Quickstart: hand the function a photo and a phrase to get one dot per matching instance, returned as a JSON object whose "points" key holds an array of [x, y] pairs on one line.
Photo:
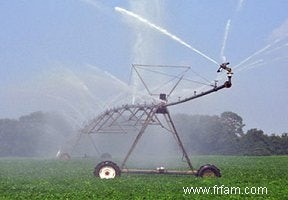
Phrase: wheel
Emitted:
{"points": [[107, 170], [64, 156], [209, 171]]}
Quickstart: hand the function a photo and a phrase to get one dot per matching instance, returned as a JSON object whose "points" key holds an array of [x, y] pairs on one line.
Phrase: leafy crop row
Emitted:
{"points": [[73, 179]]}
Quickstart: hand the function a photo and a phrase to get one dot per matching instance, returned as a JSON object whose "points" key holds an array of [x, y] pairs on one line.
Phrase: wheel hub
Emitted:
{"points": [[107, 173]]}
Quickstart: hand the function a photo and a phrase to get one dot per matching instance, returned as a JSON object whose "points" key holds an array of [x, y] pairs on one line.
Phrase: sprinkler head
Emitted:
{"points": [[224, 66]]}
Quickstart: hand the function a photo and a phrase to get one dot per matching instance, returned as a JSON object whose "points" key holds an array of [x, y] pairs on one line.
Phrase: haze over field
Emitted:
{"points": [[74, 57]]}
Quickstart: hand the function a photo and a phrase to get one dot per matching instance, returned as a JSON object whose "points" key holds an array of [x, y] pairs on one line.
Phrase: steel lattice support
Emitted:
{"points": [[137, 117], [134, 118]]}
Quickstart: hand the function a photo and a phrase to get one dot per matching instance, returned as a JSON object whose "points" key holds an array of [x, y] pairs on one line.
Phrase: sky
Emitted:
{"points": [[75, 56]]}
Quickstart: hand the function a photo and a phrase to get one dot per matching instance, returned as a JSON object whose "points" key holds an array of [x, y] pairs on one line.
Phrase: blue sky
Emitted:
{"points": [[48, 50]]}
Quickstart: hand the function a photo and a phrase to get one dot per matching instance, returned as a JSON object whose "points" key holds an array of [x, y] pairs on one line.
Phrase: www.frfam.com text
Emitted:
{"points": [[225, 190]]}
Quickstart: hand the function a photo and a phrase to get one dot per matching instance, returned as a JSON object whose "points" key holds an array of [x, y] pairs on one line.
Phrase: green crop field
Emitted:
{"points": [[253, 177]]}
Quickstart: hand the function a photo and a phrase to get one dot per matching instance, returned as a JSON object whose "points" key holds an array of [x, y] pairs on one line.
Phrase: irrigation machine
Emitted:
{"points": [[137, 117]]}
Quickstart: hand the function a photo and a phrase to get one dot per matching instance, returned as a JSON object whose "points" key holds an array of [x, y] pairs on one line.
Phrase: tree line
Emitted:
{"points": [[36, 134], [41, 134], [203, 134]]}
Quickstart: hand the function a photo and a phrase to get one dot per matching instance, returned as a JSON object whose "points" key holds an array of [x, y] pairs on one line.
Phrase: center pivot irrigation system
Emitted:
{"points": [[137, 117]]}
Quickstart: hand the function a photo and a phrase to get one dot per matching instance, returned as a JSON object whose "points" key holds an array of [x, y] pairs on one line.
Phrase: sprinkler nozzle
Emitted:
{"points": [[225, 67]]}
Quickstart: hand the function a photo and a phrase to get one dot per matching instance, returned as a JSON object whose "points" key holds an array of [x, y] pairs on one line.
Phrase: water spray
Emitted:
{"points": [[227, 29], [165, 32]]}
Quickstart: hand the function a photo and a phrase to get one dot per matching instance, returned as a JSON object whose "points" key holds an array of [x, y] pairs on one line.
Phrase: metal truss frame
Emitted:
{"points": [[137, 117]]}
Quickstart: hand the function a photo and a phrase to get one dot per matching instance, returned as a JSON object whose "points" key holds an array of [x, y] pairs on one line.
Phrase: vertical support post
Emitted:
{"points": [[179, 141], [142, 130]]}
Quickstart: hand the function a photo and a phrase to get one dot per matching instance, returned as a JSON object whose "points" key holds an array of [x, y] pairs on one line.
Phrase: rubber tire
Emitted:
{"points": [[64, 156], [206, 170], [107, 164]]}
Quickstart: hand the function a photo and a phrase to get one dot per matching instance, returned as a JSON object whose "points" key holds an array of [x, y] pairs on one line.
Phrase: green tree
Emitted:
{"points": [[36, 134], [255, 142], [233, 122]]}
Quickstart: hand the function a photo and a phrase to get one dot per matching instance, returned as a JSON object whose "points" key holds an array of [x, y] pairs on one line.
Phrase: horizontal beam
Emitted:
{"points": [[227, 84], [159, 171]]}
